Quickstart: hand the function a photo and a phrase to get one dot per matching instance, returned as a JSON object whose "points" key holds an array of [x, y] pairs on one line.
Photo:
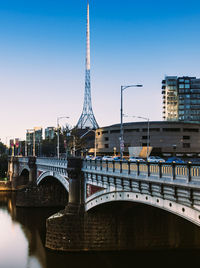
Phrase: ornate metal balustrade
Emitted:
{"points": [[52, 164]]}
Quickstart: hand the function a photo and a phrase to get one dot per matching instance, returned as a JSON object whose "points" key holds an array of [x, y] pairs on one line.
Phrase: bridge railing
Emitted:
{"points": [[52, 162], [23, 160], [172, 171]]}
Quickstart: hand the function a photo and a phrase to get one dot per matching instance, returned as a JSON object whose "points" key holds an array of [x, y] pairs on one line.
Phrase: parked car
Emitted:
{"points": [[118, 158], [88, 157], [97, 158], [107, 157], [135, 159], [175, 160], [155, 159]]}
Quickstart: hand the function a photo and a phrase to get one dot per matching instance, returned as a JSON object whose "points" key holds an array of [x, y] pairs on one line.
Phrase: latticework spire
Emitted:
{"points": [[87, 119]]}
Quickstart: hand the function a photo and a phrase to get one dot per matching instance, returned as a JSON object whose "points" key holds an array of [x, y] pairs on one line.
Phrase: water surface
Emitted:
{"points": [[22, 238]]}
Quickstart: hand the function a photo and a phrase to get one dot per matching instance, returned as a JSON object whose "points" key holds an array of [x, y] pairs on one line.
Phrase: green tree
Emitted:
{"points": [[3, 165]]}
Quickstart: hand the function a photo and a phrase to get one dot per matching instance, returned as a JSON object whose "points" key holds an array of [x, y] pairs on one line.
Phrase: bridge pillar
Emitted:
{"points": [[13, 172], [33, 169], [76, 186], [65, 229]]}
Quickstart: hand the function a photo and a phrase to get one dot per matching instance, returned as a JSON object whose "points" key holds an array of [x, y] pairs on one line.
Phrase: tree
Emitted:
{"points": [[3, 165]]}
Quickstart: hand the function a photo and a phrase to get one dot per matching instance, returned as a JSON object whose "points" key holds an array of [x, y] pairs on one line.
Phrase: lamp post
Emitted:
{"points": [[58, 138], [95, 141], [121, 113]]}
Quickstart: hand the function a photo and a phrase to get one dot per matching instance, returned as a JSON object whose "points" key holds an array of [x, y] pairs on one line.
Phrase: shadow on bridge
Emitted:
{"points": [[49, 193], [139, 226]]}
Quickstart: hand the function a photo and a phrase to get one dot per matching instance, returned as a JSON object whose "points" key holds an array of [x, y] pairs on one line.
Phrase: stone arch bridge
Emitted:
{"points": [[91, 185]]}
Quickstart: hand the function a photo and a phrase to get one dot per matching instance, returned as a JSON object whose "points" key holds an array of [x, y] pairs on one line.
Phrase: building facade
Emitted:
{"points": [[50, 133], [33, 141], [181, 99], [165, 138]]}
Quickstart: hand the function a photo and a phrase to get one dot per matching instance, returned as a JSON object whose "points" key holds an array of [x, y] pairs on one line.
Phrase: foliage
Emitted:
{"points": [[3, 165]]}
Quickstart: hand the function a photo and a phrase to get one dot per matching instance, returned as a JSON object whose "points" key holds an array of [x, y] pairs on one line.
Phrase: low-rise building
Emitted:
{"points": [[165, 138]]}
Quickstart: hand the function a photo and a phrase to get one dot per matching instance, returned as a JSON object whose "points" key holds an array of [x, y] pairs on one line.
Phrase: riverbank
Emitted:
{"points": [[6, 186]]}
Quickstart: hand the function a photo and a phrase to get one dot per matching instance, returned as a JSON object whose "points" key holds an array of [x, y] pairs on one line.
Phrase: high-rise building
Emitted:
{"points": [[170, 98], [87, 119], [33, 141], [50, 133], [34, 135], [181, 99]]}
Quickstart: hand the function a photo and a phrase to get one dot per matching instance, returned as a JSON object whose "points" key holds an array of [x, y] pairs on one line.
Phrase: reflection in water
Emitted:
{"points": [[22, 236]]}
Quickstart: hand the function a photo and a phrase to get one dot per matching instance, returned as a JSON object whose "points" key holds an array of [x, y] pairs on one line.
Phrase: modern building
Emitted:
{"points": [[50, 133], [181, 99], [165, 137], [33, 141]]}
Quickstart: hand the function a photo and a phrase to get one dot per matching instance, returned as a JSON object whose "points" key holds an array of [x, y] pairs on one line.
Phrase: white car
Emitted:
{"points": [[135, 159], [155, 159], [107, 157]]}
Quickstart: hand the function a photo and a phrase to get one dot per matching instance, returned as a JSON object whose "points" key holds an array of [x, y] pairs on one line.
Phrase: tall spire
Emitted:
{"points": [[87, 118]]}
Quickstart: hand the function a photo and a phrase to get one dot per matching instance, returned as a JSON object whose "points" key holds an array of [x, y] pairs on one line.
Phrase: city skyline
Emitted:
{"points": [[43, 57]]}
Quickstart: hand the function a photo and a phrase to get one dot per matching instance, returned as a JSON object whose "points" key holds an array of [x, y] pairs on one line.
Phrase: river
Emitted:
{"points": [[22, 237]]}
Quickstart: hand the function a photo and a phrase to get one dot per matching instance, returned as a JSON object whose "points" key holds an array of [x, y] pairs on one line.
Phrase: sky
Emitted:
{"points": [[42, 58]]}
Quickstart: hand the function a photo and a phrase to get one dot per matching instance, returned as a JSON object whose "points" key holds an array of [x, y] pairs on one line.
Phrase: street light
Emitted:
{"points": [[58, 147], [95, 141], [121, 126]]}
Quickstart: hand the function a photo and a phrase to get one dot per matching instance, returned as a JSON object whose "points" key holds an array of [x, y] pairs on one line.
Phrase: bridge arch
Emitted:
{"points": [[102, 197], [57, 176], [24, 170]]}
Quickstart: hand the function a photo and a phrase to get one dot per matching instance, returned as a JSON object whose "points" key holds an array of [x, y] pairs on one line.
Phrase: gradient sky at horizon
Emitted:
{"points": [[42, 53]]}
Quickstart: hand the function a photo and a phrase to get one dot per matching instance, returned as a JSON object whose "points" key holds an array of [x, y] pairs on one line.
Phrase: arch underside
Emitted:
{"points": [[57, 176], [189, 213], [24, 168]]}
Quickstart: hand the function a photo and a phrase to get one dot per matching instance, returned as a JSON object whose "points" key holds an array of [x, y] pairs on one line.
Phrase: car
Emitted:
{"points": [[175, 160], [88, 157], [107, 157], [155, 159], [97, 158], [118, 158], [135, 159]]}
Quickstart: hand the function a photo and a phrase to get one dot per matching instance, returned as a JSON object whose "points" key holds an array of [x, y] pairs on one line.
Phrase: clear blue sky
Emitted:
{"points": [[42, 58]]}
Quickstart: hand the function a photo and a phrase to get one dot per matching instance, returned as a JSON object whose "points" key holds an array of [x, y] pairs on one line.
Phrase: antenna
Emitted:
{"points": [[87, 119]]}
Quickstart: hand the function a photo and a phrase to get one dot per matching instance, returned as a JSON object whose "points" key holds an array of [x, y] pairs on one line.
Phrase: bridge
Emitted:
{"points": [[91, 184]]}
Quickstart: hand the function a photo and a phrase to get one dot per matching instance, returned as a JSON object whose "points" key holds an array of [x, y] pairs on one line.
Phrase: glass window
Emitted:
{"points": [[187, 81], [181, 86], [187, 86]]}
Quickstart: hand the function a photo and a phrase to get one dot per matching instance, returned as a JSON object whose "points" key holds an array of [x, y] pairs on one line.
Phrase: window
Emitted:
{"points": [[191, 130], [104, 132], [181, 86], [106, 138], [186, 145], [132, 130], [106, 146], [186, 137], [187, 86], [171, 129], [144, 144], [115, 131], [144, 137]]}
